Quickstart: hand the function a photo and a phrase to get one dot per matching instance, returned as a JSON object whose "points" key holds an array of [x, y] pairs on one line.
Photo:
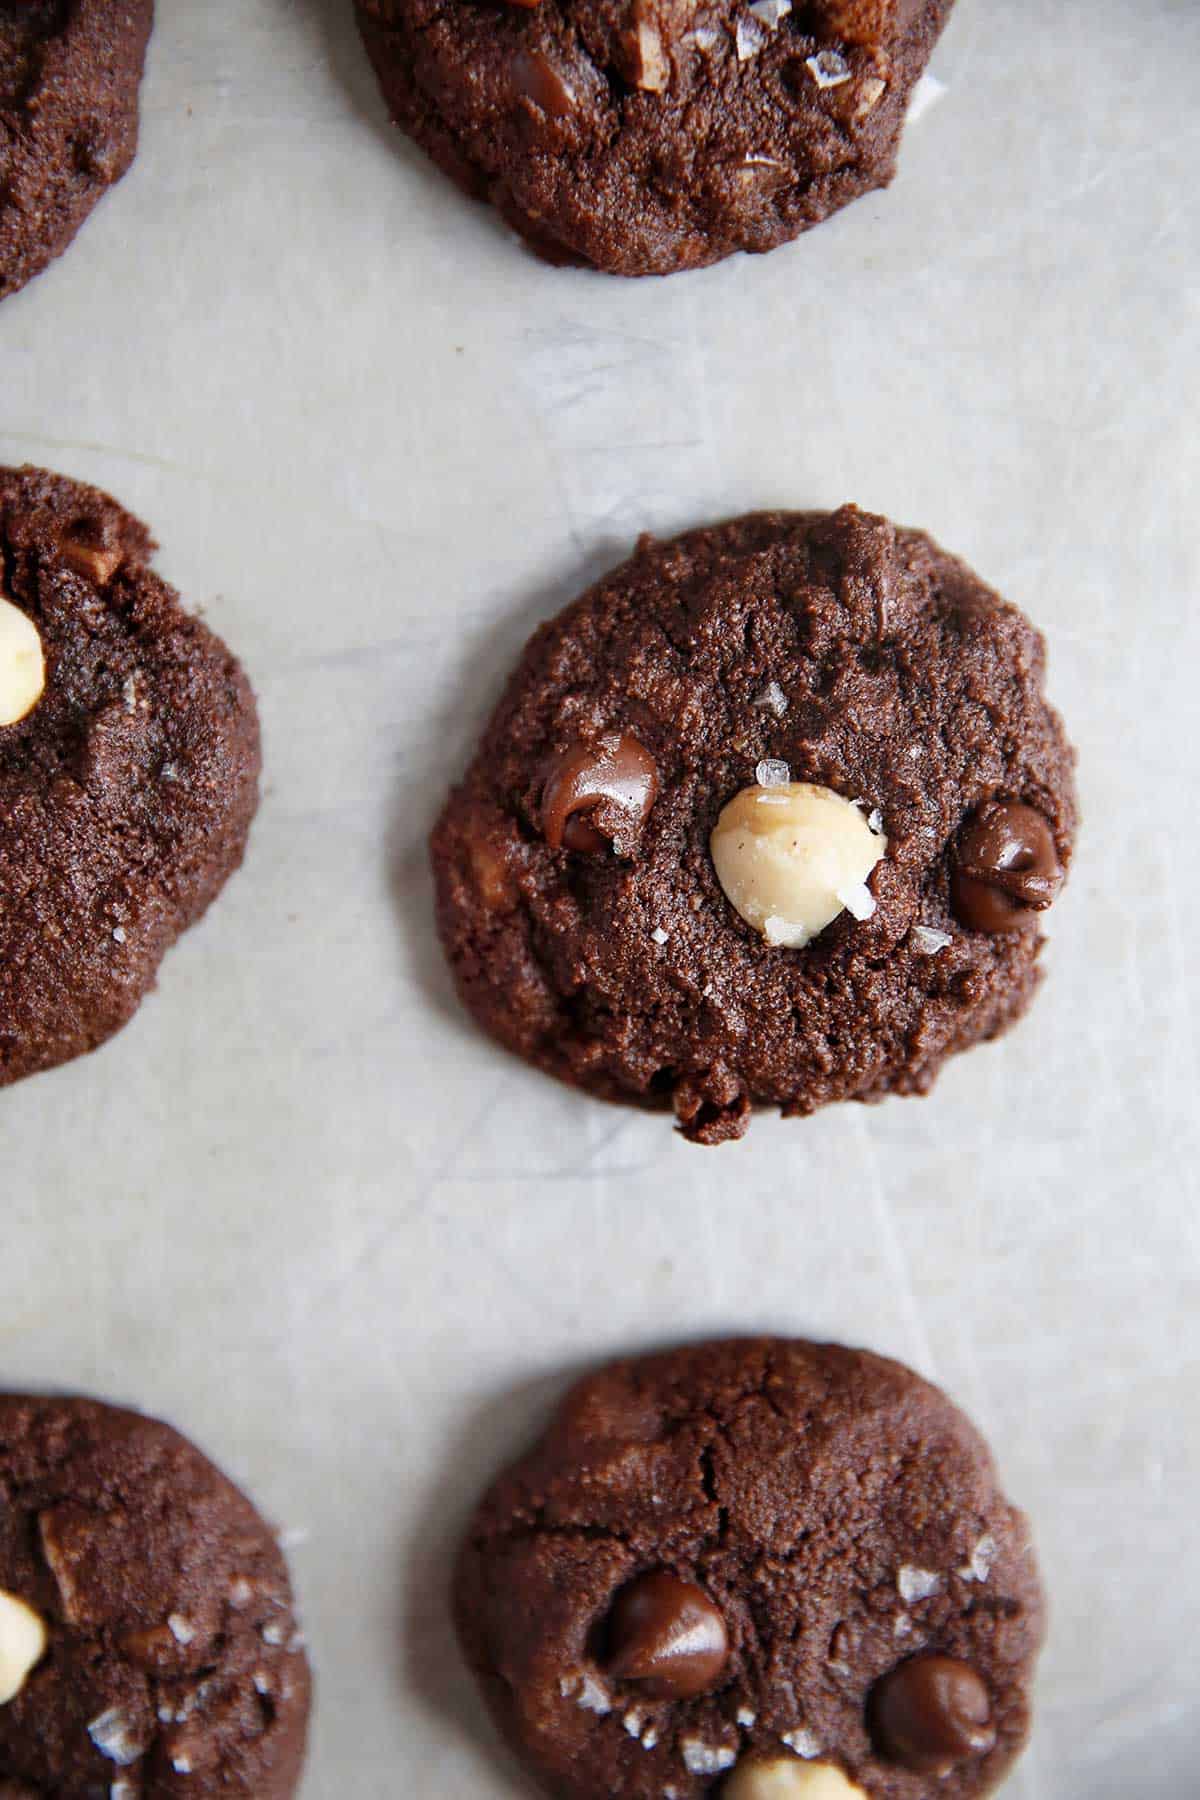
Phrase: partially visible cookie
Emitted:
{"points": [[129, 762], [770, 816], [69, 76], [763, 1568], [644, 136], [148, 1644]]}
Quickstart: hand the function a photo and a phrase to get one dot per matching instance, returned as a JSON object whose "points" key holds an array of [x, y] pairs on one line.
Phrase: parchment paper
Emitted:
{"points": [[299, 1207]]}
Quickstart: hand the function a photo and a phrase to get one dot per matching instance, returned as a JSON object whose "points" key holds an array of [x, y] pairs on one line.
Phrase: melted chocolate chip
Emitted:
{"points": [[596, 791], [667, 1636], [931, 1714], [1008, 867]]}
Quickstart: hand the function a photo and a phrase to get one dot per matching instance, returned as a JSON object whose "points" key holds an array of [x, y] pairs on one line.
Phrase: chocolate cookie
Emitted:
{"points": [[644, 136], [768, 816], [148, 1647], [129, 764], [777, 1570], [69, 75]]}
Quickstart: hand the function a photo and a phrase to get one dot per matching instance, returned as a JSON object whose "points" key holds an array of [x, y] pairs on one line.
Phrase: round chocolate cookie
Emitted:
{"points": [[769, 1569], [643, 136], [768, 816], [129, 762], [69, 75], [148, 1646]]}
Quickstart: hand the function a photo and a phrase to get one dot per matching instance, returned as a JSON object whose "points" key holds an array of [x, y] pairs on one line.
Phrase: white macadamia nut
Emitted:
{"points": [[23, 1643], [786, 1778], [22, 664], [792, 856]]}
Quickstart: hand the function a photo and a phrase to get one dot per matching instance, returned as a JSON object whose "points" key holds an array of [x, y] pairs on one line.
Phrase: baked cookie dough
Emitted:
{"points": [[148, 1644], [768, 817], [767, 1569], [129, 761], [69, 75], [644, 136]]}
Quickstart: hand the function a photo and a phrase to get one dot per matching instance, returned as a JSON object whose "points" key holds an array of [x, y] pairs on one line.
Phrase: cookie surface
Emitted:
{"points": [[833, 1518], [851, 655], [127, 789], [69, 75], [172, 1664], [644, 136]]}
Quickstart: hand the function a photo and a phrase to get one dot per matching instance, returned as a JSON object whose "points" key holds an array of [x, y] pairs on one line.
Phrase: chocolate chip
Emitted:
{"points": [[930, 1714], [667, 1636], [1008, 867], [535, 78], [595, 792]]}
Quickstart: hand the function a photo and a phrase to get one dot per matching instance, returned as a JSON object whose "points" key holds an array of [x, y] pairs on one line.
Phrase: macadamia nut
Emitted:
{"points": [[791, 857], [22, 1644], [786, 1778], [22, 664]]}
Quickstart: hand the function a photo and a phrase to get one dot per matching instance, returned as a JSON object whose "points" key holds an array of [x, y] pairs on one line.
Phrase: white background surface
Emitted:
{"points": [[305, 1212]]}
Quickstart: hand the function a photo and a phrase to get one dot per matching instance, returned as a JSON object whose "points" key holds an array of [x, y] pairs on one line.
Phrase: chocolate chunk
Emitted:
{"points": [[535, 78], [931, 1714], [1008, 867], [595, 792], [667, 1636]]}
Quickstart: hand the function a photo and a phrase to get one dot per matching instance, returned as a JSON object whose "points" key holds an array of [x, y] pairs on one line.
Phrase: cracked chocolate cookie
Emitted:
{"points": [[129, 761], [148, 1644], [767, 1569], [69, 77], [768, 817], [643, 136]]}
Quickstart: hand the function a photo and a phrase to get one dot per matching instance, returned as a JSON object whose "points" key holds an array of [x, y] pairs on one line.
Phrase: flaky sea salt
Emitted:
{"points": [[746, 1716], [706, 1759], [917, 1584], [750, 38], [660, 936], [982, 1557], [118, 934], [772, 699], [116, 1736], [771, 12], [771, 773], [927, 941], [804, 1742], [586, 1691], [828, 68], [181, 1629], [875, 821], [858, 900]]}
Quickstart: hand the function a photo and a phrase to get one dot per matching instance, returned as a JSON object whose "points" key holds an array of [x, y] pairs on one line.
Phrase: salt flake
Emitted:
{"points": [[771, 773], [115, 1735], [750, 37], [828, 68], [772, 699], [771, 12], [982, 1557], [928, 941], [804, 1742], [706, 1759], [857, 900], [917, 1584]]}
